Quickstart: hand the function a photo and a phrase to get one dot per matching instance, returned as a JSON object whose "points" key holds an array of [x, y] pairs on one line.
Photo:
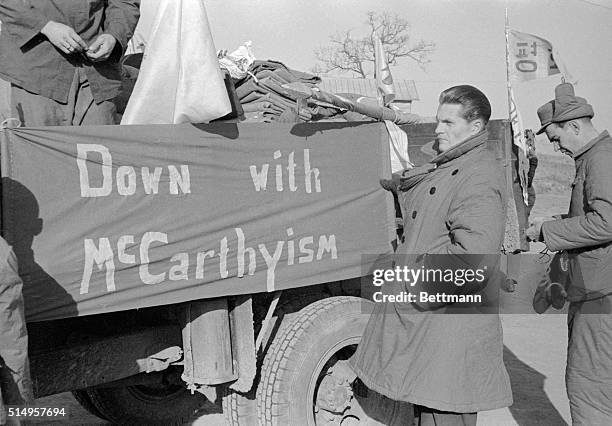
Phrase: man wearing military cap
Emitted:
{"points": [[586, 233]]}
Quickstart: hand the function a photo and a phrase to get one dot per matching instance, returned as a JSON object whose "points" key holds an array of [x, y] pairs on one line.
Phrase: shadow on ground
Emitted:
{"points": [[531, 404]]}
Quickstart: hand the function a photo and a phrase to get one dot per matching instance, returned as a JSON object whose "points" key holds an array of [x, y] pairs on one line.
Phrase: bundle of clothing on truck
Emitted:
{"points": [[263, 98], [270, 91]]}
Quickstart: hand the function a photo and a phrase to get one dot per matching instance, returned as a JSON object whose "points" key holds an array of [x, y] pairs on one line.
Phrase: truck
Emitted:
{"points": [[168, 268]]}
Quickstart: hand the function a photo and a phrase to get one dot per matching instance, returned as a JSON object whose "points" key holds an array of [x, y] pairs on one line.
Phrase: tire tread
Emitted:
{"points": [[276, 366]]}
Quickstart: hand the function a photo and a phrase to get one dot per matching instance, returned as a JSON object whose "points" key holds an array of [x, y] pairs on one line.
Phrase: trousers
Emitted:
{"points": [[588, 375], [81, 109]]}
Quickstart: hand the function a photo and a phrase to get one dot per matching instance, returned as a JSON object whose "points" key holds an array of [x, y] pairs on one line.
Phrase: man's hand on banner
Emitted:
{"points": [[63, 37], [101, 48]]}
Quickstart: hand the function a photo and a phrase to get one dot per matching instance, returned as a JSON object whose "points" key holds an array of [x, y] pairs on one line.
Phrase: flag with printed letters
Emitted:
{"points": [[532, 58]]}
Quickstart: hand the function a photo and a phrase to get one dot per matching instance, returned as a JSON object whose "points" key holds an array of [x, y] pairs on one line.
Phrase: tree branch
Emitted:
{"points": [[356, 55]]}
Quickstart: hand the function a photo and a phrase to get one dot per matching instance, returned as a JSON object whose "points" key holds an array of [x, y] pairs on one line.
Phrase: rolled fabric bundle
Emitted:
{"points": [[371, 110], [259, 65], [261, 106], [247, 87], [253, 97]]}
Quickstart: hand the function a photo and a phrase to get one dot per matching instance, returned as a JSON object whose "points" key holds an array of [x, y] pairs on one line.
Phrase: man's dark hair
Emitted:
{"points": [[475, 103]]}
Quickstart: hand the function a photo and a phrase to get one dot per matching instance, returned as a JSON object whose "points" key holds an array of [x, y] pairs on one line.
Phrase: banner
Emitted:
{"points": [[109, 218], [532, 57], [180, 80], [382, 73]]}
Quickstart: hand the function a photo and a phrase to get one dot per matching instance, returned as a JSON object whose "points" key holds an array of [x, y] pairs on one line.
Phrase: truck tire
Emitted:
{"points": [[241, 409], [307, 363], [84, 401], [139, 404]]}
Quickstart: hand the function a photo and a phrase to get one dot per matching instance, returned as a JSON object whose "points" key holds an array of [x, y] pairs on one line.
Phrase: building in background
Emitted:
{"points": [[405, 90]]}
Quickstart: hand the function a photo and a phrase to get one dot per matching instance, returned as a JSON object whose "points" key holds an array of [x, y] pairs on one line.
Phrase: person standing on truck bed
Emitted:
{"points": [[62, 58], [586, 233], [449, 366]]}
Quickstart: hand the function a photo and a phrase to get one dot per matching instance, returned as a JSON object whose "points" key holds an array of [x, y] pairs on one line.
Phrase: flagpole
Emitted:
{"points": [[377, 66], [508, 85], [515, 120]]}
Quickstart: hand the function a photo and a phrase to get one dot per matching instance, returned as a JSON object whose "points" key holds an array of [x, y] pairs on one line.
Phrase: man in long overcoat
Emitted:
{"points": [[586, 233], [449, 366]]}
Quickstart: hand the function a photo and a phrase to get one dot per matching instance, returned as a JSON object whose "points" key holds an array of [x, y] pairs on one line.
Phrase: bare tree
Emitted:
{"points": [[347, 53]]}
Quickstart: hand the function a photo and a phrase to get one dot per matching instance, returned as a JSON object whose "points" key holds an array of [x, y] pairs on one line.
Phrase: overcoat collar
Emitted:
{"points": [[413, 176], [461, 148], [603, 135]]}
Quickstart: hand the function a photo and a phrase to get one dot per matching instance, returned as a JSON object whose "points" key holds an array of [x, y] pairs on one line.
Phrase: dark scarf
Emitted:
{"points": [[412, 177]]}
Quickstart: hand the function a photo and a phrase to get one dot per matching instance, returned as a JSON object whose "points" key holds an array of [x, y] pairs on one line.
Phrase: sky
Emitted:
{"points": [[469, 37]]}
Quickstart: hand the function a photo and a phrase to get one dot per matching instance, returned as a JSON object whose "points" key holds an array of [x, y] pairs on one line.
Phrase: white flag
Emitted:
{"points": [[180, 79], [382, 73], [532, 57]]}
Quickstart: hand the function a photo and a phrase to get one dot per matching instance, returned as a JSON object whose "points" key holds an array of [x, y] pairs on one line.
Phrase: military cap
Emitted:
{"points": [[569, 106], [545, 114]]}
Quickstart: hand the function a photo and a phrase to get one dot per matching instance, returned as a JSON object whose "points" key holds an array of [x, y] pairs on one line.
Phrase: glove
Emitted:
{"points": [[534, 232], [391, 184]]}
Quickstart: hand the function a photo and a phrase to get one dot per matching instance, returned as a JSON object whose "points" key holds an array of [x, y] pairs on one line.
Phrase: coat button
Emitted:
{"points": [[414, 214], [432, 191], [455, 172]]}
